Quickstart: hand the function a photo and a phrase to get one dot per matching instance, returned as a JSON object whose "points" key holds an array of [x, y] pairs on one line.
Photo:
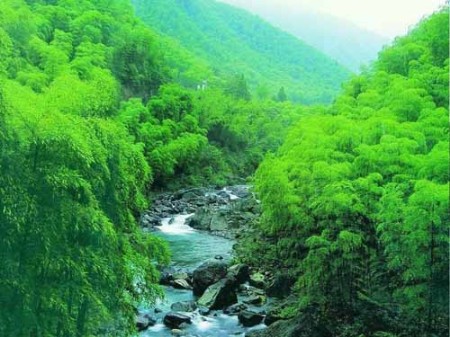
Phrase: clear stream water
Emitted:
{"points": [[190, 248]]}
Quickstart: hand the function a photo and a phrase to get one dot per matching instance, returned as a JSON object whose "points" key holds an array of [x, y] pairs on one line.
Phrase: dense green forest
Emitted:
{"points": [[72, 179], [234, 42], [355, 202], [91, 120], [99, 110]]}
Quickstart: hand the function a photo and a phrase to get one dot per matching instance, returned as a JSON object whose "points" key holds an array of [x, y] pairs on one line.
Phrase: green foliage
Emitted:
{"points": [[231, 41], [88, 125], [73, 260], [281, 96], [137, 62], [237, 88], [205, 137], [355, 202]]}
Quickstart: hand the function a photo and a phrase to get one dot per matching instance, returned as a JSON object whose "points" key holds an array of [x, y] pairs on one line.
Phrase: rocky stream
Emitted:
{"points": [[206, 294]]}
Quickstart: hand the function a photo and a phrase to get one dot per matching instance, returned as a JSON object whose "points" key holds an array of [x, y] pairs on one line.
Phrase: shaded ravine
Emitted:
{"points": [[190, 248]]}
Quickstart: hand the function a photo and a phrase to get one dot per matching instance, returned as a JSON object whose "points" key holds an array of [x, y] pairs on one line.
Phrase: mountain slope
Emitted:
{"points": [[233, 41], [355, 202], [343, 41]]}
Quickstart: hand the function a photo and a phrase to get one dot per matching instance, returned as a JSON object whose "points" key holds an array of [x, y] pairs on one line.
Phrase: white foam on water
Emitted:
{"points": [[230, 194], [176, 225], [157, 328], [204, 324]]}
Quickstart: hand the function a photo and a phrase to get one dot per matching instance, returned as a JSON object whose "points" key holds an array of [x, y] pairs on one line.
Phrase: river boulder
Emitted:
{"points": [[250, 318], [185, 306], [235, 309], [181, 284], [210, 218], [144, 321], [167, 276], [256, 300], [149, 221], [239, 273], [174, 320], [207, 274], [219, 295]]}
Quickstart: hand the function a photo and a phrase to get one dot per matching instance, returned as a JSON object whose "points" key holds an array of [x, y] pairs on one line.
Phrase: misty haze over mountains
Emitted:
{"points": [[342, 40]]}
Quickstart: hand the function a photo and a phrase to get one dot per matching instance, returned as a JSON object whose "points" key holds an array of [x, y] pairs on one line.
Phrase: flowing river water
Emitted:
{"points": [[190, 248]]}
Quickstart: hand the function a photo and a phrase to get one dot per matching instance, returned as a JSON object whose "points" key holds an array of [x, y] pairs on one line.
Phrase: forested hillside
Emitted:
{"points": [[234, 42], [99, 112], [355, 203], [72, 180], [91, 120]]}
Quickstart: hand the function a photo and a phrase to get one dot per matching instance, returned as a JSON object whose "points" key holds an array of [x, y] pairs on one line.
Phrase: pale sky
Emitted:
{"points": [[389, 18]]}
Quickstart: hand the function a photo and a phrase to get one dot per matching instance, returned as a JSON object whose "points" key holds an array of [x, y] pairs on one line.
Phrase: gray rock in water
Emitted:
{"points": [[201, 220], [181, 284], [219, 295], [167, 276], [223, 194], [218, 222], [239, 273], [235, 309], [207, 274], [256, 300], [144, 321], [210, 218], [149, 221], [189, 196], [204, 311], [185, 306], [174, 320], [180, 275], [177, 332], [250, 318]]}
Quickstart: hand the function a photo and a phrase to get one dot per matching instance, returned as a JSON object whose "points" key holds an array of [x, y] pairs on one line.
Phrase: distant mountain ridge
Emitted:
{"points": [[342, 40], [233, 41]]}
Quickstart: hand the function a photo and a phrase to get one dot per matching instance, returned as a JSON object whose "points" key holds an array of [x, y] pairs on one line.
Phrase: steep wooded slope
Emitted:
{"points": [[233, 41]]}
